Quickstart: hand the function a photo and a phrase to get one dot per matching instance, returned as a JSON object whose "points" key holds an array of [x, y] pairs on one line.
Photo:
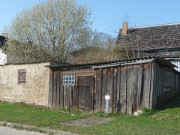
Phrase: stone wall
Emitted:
{"points": [[34, 91]]}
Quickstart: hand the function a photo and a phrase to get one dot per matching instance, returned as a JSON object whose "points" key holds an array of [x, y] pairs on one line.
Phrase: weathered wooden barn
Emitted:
{"points": [[131, 84]]}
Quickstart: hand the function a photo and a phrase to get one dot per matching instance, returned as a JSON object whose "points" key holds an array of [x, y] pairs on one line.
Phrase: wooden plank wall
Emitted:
{"points": [[131, 85], [61, 96], [163, 78]]}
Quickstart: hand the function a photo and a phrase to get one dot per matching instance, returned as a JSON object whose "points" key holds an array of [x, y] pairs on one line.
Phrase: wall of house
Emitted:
{"points": [[166, 85], [78, 60], [36, 88]]}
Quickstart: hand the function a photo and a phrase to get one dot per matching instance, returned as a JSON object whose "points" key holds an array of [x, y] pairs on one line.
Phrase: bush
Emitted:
{"points": [[147, 111]]}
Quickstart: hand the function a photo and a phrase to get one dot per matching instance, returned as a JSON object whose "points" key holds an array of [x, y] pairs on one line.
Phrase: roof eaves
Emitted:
{"points": [[126, 63], [105, 64], [150, 26], [165, 63]]}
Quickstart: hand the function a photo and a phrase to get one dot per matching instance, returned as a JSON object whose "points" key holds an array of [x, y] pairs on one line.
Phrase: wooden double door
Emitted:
{"points": [[86, 93]]}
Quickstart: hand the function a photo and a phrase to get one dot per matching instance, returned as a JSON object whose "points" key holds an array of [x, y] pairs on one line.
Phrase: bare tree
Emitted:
{"points": [[47, 31], [126, 48]]}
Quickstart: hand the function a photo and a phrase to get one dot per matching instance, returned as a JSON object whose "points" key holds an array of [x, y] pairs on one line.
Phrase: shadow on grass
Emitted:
{"points": [[174, 102]]}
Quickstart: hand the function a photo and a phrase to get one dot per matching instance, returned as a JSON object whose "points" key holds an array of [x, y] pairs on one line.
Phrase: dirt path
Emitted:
{"points": [[88, 121]]}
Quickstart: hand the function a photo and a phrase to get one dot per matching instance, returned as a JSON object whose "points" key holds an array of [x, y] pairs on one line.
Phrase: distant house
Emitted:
{"points": [[80, 56], [3, 56], [157, 40]]}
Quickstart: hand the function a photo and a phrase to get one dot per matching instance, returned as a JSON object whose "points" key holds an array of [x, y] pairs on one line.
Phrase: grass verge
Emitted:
{"points": [[166, 120]]}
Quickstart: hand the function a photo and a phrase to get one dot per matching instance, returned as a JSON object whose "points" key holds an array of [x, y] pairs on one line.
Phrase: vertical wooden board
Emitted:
{"points": [[118, 82], [80, 97], [115, 89], [158, 81], [84, 92], [152, 85], [66, 97], [98, 90], [104, 87], [95, 92], [70, 97], [129, 89], [178, 82], [91, 93], [138, 91], [55, 90], [118, 107], [135, 88], [158, 86], [75, 97], [81, 82], [51, 84], [175, 74], [58, 89], [161, 82], [110, 87], [123, 86], [147, 85], [61, 96]]}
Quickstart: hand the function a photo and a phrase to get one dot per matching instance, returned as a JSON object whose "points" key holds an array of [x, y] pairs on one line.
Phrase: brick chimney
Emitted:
{"points": [[124, 28], [4, 35]]}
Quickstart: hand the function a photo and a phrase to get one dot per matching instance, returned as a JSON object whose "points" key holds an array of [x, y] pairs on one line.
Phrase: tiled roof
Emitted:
{"points": [[152, 37]]}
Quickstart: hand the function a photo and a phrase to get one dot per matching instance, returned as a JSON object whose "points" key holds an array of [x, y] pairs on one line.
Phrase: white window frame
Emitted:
{"points": [[68, 79]]}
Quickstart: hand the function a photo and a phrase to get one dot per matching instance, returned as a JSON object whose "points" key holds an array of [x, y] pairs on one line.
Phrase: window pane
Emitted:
{"points": [[69, 79]]}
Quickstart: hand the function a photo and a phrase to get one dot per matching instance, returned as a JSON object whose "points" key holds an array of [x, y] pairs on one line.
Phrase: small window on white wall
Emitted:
{"points": [[68, 79], [21, 76]]}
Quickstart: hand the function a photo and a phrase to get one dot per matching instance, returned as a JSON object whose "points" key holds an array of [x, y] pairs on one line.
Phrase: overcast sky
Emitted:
{"points": [[107, 15]]}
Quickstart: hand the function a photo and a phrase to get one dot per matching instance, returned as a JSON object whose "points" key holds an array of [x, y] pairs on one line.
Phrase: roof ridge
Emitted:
{"points": [[158, 25]]}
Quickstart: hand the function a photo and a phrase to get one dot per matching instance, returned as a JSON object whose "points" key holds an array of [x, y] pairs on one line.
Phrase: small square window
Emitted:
{"points": [[21, 76], [69, 79]]}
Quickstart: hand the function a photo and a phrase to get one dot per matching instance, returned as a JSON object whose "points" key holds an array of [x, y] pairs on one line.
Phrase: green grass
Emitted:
{"points": [[165, 121]]}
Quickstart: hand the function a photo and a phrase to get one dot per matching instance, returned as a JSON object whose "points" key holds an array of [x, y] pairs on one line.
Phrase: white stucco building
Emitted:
{"points": [[3, 58]]}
